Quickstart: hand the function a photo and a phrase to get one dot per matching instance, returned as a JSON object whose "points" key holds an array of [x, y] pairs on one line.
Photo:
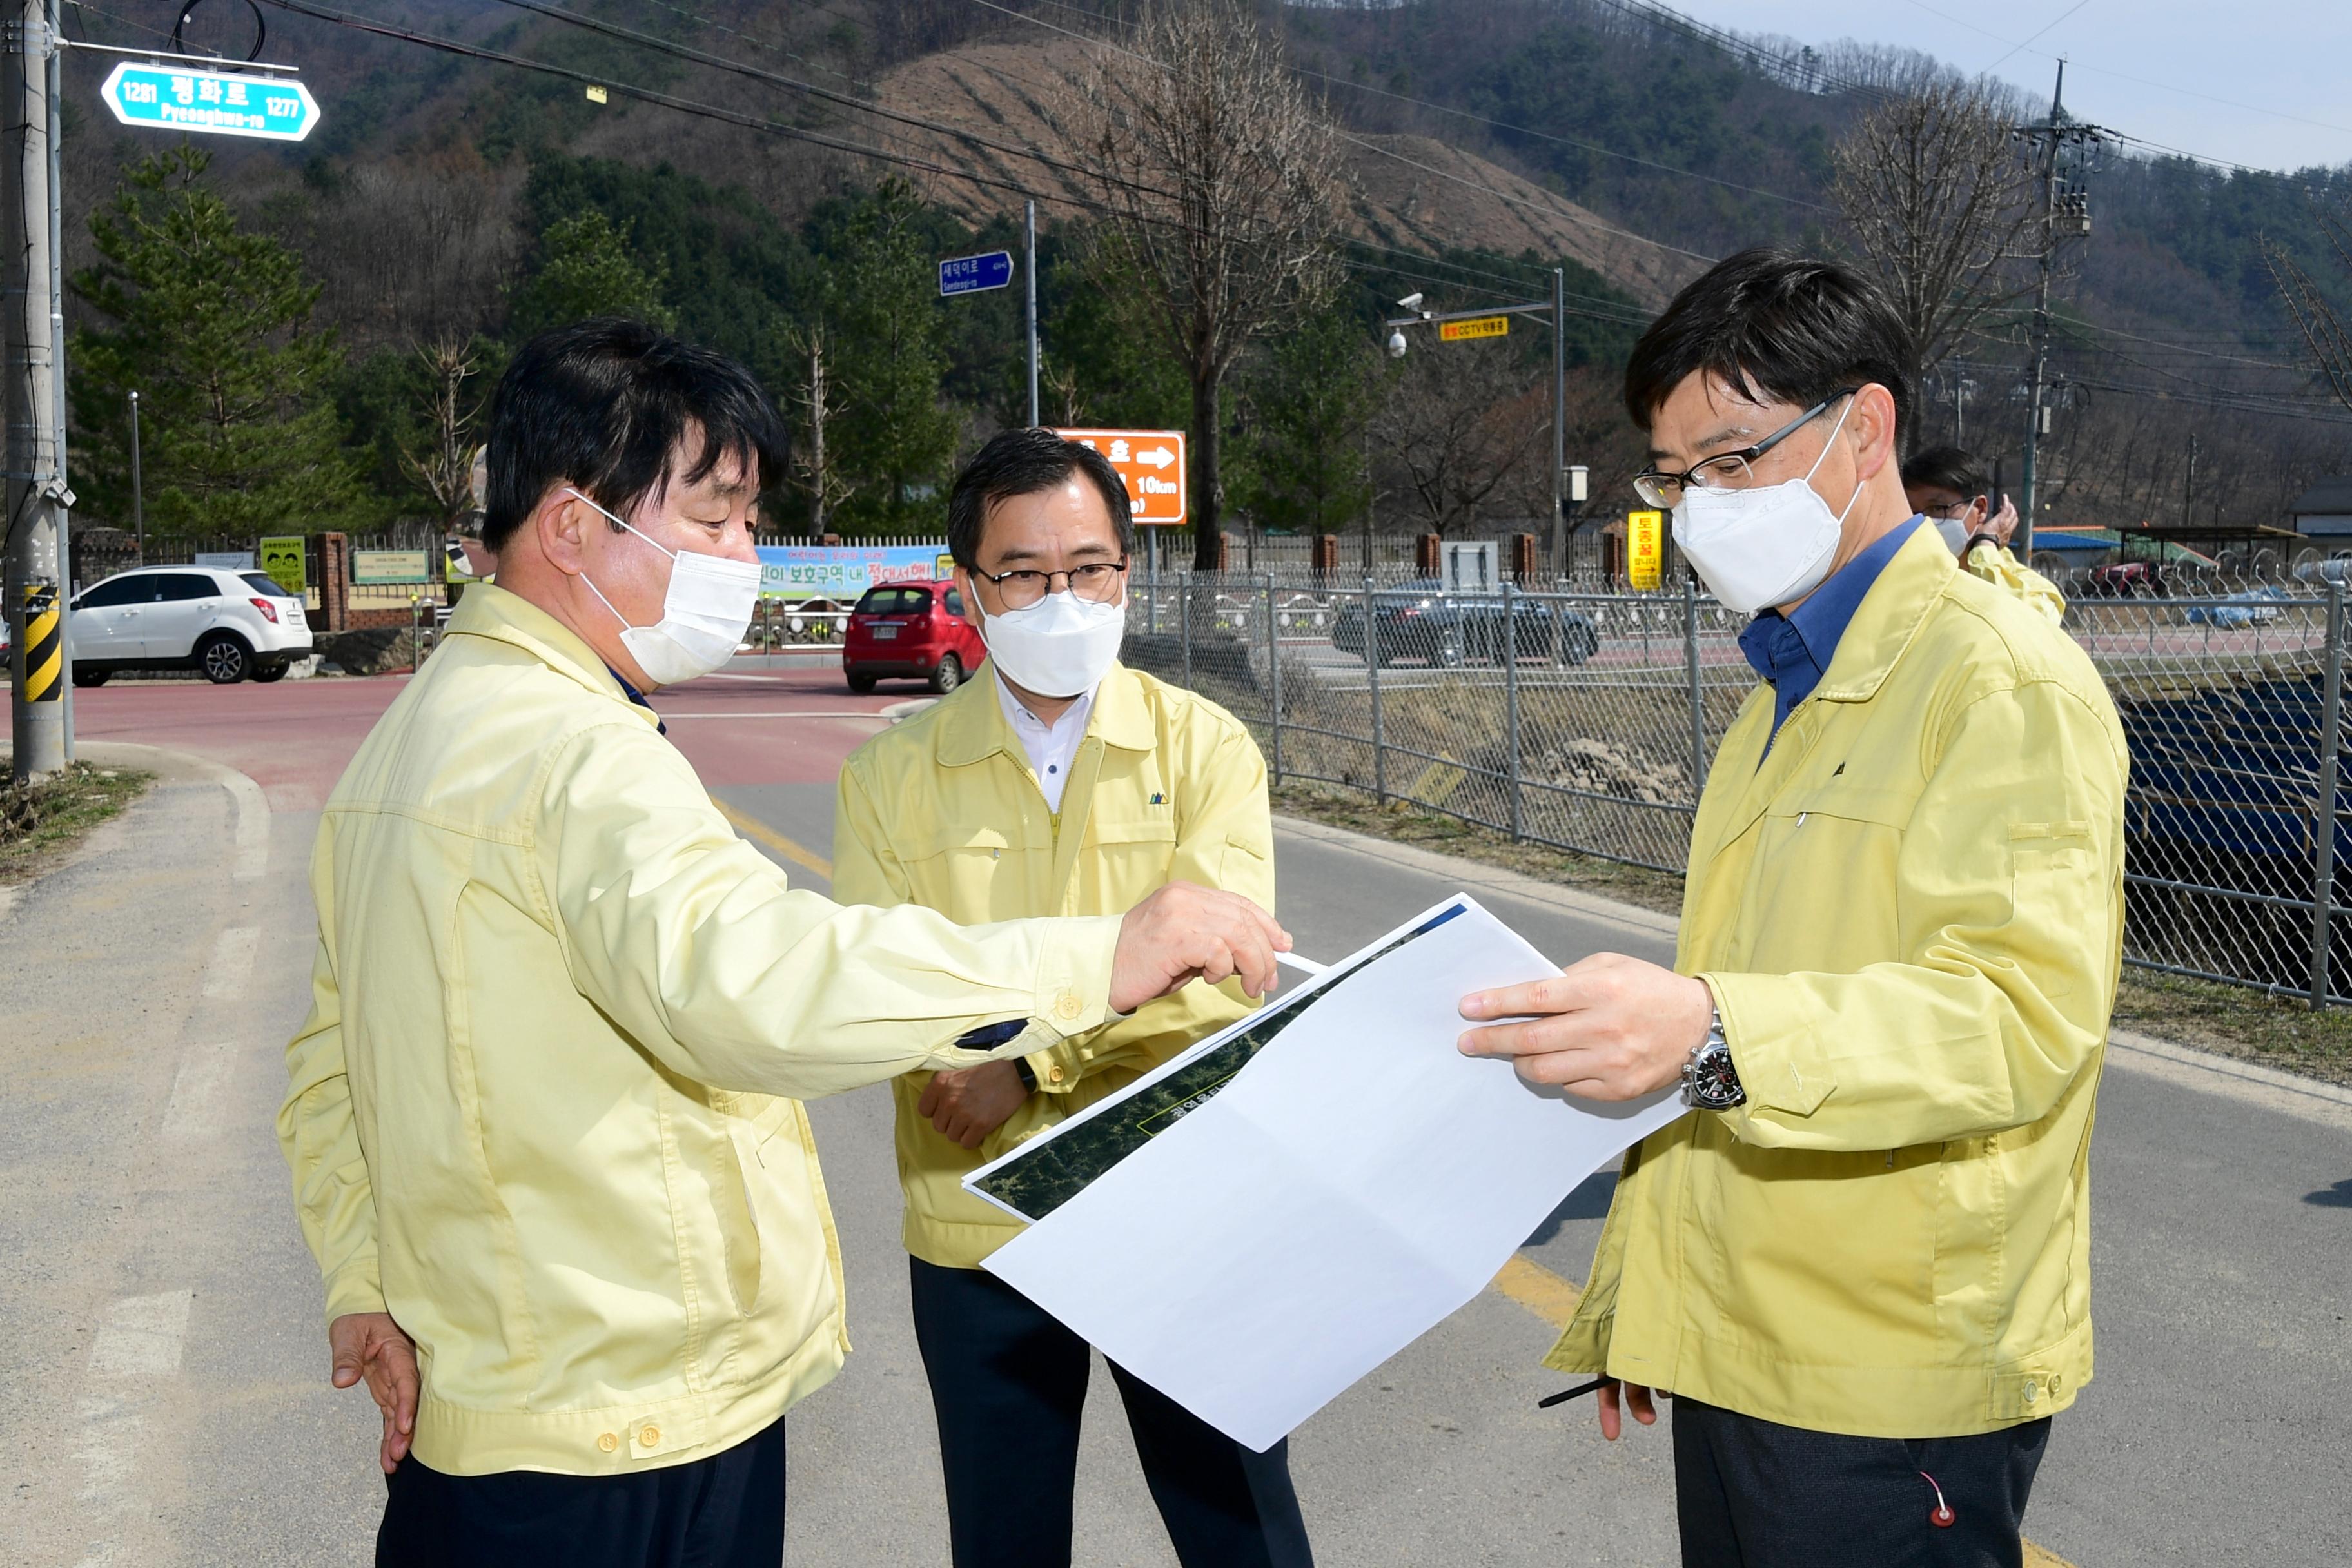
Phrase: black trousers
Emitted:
{"points": [[1754, 1494], [1009, 1383], [725, 1511]]}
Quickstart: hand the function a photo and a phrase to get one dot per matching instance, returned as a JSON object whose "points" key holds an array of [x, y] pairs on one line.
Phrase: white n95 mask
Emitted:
{"points": [[1955, 530], [1766, 545], [1062, 646], [705, 612]]}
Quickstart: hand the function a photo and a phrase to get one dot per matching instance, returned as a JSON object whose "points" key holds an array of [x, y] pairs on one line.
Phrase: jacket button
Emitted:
{"points": [[1068, 1007], [649, 1436], [1054, 1074], [2032, 1392], [608, 1442]]}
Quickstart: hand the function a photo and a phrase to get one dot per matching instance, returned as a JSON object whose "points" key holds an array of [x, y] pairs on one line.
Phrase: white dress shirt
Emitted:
{"points": [[1051, 748]]}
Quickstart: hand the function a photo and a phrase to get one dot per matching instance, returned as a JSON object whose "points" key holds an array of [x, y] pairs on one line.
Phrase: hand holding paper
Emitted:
{"points": [[1606, 1028]]}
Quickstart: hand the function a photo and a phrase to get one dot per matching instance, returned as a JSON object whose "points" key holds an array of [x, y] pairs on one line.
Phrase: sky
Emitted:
{"points": [[2261, 82]]}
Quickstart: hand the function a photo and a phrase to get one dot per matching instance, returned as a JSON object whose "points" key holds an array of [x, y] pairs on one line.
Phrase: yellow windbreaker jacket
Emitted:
{"points": [[944, 812], [544, 1109], [1911, 914]]}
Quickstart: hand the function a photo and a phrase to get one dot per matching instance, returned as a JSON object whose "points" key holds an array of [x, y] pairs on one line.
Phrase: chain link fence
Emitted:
{"points": [[1585, 719]]}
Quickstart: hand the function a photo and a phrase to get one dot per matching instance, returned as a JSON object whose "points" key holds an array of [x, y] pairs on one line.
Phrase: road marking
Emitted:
{"points": [[1553, 1299], [142, 1336], [232, 963], [758, 832], [195, 1089], [252, 824], [112, 1425]]}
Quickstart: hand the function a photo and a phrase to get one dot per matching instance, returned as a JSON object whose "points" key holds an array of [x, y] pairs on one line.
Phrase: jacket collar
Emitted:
{"points": [[1888, 618], [503, 615], [972, 726]]}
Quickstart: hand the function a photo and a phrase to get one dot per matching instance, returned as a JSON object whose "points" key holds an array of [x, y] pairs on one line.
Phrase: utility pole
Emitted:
{"points": [[818, 478], [2188, 486], [1559, 422], [57, 360], [36, 493], [1029, 252], [2050, 142], [138, 489]]}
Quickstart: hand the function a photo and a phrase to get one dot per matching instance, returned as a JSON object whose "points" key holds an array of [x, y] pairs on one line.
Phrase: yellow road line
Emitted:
{"points": [[758, 832], [1553, 1299]]}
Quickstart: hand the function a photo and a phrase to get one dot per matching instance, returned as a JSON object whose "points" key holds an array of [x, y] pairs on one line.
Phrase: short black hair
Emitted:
{"points": [[1947, 469], [1023, 463], [1776, 323], [608, 405]]}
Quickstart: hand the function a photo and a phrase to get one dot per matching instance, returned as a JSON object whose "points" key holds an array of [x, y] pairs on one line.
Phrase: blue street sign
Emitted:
{"points": [[970, 274], [223, 103]]}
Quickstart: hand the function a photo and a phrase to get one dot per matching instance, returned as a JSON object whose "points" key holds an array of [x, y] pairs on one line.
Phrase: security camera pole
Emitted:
{"points": [[1493, 323]]}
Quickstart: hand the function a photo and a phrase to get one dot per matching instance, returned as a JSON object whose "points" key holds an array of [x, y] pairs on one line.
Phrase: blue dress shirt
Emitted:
{"points": [[1794, 651]]}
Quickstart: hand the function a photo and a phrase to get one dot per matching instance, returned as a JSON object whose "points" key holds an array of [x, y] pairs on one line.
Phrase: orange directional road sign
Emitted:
{"points": [[1152, 464]]}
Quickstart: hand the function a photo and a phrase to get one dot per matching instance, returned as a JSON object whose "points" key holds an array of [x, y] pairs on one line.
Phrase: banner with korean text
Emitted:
{"points": [[843, 572]]}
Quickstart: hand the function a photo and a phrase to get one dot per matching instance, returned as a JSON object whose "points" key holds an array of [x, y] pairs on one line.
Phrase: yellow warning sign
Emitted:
{"points": [[1477, 327], [1645, 548]]}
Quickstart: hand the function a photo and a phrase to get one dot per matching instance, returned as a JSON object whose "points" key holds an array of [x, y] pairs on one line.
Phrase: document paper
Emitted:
{"points": [[1296, 1223]]}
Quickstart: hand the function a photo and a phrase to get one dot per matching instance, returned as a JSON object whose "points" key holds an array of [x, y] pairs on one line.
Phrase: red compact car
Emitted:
{"points": [[910, 631]]}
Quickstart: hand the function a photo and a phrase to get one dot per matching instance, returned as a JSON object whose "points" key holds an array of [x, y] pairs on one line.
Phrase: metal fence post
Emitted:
{"points": [[2323, 822], [1511, 698], [1185, 624], [1274, 674], [1697, 702], [1372, 680]]}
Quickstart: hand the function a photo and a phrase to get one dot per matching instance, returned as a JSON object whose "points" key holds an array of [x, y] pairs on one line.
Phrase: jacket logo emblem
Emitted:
{"points": [[1159, 797]]}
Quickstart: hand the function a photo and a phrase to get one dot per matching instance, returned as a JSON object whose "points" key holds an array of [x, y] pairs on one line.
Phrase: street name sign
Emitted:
{"points": [[222, 103], [1152, 464], [1646, 549], [1477, 327], [974, 274]]}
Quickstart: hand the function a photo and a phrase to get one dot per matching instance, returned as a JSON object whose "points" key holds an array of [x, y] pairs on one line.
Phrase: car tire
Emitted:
{"points": [[265, 673], [225, 659], [949, 674], [861, 684], [89, 676]]}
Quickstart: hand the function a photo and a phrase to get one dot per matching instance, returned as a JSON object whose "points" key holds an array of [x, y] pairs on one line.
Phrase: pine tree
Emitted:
{"points": [[588, 266], [212, 326], [893, 437]]}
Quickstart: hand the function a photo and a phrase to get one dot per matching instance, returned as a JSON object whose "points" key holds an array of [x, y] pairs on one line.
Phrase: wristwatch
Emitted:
{"points": [[1709, 1080], [1028, 1074]]}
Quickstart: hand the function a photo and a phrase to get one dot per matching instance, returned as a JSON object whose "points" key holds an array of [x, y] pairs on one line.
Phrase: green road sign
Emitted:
{"points": [[223, 103]]}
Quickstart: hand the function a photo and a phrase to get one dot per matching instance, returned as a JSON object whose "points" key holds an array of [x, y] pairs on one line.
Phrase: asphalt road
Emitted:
{"points": [[162, 1357]]}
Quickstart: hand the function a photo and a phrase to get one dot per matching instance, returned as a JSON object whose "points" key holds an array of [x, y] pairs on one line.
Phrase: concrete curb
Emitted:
{"points": [[1475, 877], [252, 829]]}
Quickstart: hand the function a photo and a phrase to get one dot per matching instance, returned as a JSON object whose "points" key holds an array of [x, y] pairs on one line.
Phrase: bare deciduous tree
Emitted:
{"points": [[1222, 186], [1452, 445], [819, 398], [1942, 206], [442, 462]]}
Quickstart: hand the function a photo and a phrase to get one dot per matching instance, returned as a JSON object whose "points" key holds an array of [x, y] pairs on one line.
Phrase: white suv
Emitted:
{"points": [[229, 624]]}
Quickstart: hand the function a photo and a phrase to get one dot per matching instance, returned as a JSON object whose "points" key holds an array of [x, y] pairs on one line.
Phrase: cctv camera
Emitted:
{"points": [[1396, 345], [1410, 302]]}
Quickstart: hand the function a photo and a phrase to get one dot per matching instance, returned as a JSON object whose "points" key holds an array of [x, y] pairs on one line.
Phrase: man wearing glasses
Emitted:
{"points": [[1862, 1266], [1061, 781], [1949, 488]]}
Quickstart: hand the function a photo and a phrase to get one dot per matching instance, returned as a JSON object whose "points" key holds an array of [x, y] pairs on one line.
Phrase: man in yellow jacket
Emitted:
{"points": [[542, 1118], [1059, 783], [1861, 1264], [1949, 488]]}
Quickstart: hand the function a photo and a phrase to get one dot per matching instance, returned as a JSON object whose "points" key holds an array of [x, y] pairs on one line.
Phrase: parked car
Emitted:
{"points": [[910, 631], [231, 625], [2255, 606], [1420, 620]]}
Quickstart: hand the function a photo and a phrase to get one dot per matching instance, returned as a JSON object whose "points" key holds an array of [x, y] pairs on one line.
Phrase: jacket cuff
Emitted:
{"points": [[1775, 1048], [1073, 983], [354, 1288], [1056, 1067]]}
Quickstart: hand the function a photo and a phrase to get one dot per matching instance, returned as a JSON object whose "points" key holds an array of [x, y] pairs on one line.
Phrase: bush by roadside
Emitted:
{"points": [[2229, 1020], [40, 822]]}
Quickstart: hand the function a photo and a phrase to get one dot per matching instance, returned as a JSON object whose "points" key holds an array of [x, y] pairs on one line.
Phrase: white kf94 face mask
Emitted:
{"points": [[1061, 646], [1766, 545], [705, 612]]}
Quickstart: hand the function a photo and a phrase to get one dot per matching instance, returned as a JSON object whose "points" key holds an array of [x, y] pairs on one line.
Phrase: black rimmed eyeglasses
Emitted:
{"points": [[1097, 582], [1728, 470]]}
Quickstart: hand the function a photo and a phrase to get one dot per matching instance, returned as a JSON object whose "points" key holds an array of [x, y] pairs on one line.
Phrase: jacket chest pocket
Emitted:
{"points": [[1135, 846], [972, 875], [1822, 852]]}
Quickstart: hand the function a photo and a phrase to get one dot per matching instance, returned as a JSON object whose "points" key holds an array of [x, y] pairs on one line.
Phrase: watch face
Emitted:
{"points": [[1713, 1086]]}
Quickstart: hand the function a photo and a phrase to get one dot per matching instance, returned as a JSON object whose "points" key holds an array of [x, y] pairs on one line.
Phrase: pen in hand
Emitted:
{"points": [[1566, 1394]]}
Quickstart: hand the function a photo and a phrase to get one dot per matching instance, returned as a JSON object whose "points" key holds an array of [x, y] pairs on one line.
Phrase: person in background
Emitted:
{"points": [[1861, 1264], [1950, 489], [1062, 783], [542, 1118]]}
